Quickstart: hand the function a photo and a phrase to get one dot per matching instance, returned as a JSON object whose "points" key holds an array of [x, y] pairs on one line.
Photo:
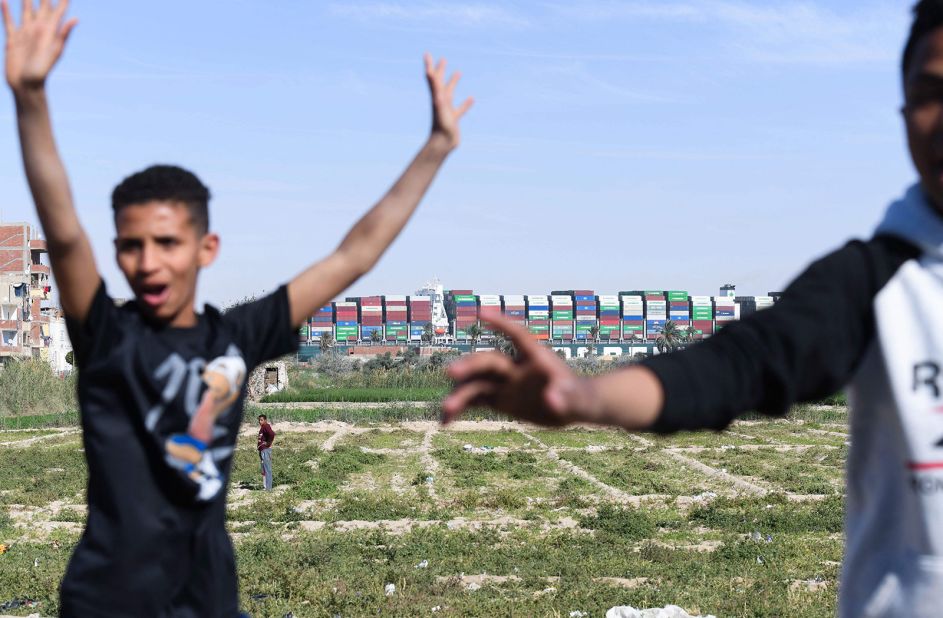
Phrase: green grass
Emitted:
{"points": [[385, 439], [40, 474], [761, 544], [481, 439], [813, 471], [33, 421], [642, 473], [357, 395], [26, 434], [392, 412]]}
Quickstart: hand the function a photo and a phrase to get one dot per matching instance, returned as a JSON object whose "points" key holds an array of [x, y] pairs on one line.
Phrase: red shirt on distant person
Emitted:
{"points": [[266, 435]]}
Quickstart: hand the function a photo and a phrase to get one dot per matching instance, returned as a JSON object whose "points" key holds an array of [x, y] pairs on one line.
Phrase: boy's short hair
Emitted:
{"points": [[262, 416], [928, 16], [165, 183]]}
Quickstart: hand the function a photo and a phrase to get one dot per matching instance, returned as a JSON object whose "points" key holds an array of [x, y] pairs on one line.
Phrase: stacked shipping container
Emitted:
{"points": [[679, 311], [725, 310], [514, 308], [346, 327], [322, 322], [371, 317], [609, 317], [420, 314], [397, 318], [466, 311], [488, 304], [702, 316], [584, 301], [538, 316], [565, 315], [656, 313], [633, 316], [561, 316]]}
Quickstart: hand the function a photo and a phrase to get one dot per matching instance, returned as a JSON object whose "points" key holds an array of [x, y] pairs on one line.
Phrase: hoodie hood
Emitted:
{"points": [[912, 218]]}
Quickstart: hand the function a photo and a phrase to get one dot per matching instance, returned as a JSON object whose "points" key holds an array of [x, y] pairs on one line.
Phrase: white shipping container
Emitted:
{"points": [[562, 300]]}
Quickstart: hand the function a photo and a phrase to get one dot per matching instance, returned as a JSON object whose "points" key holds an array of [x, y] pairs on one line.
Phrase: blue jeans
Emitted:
{"points": [[265, 455]]}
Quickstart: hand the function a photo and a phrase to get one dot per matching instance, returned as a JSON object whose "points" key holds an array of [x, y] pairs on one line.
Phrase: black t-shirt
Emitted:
{"points": [[155, 542]]}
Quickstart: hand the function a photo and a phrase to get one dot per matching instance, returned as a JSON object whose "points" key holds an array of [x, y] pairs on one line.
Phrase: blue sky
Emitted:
{"points": [[613, 145]]}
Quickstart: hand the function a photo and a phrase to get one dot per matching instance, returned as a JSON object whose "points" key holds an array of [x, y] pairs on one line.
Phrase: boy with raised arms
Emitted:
{"points": [[869, 315], [161, 387]]}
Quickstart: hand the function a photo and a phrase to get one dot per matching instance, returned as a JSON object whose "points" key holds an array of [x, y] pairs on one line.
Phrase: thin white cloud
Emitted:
{"points": [[802, 33], [449, 13]]}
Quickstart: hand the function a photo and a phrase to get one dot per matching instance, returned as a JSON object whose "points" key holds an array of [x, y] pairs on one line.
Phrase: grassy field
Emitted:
{"points": [[487, 518]]}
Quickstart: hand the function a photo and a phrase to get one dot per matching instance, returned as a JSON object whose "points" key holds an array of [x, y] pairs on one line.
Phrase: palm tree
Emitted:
{"points": [[428, 333], [474, 333], [594, 338], [376, 337], [327, 341], [670, 337], [504, 345]]}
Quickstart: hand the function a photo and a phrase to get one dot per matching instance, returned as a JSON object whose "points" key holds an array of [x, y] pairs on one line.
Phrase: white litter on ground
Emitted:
{"points": [[669, 611], [389, 589]]}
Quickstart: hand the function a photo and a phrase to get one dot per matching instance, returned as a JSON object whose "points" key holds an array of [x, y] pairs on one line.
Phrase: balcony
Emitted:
{"points": [[38, 244], [12, 350], [38, 269], [9, 325]]}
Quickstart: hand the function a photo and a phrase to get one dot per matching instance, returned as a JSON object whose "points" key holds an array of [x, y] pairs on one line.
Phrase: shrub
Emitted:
{"points": [[31, 386]]}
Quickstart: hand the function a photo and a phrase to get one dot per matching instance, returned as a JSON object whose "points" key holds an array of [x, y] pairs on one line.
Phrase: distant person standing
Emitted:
{"points": [[266, 438]]}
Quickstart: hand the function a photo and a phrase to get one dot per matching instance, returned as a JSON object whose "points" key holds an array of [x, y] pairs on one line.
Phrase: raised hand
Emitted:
{"points": [[536, 386], [34, 47], [445, 115]]}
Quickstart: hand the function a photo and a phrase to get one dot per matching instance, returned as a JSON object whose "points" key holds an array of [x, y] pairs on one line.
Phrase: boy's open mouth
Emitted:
{"points": [[154, 295]]}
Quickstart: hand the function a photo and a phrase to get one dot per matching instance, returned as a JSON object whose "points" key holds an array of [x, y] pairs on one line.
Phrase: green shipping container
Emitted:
{"points": [[539, 329], [677, 295], [562, 315], [465, 298], [303, 331], [632, 327]]}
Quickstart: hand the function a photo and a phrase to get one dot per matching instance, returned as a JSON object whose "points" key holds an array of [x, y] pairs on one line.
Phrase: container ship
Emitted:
{"points": [[577, 317]]}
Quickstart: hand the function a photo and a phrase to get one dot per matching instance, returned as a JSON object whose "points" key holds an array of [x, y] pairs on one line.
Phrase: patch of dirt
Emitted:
{"points": [[808, 585], [623, 582]]}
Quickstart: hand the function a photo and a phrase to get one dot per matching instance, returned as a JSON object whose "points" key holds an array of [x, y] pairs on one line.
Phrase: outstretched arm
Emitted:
{"points": [[538, 387], [32, 49], [375, 231]]}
